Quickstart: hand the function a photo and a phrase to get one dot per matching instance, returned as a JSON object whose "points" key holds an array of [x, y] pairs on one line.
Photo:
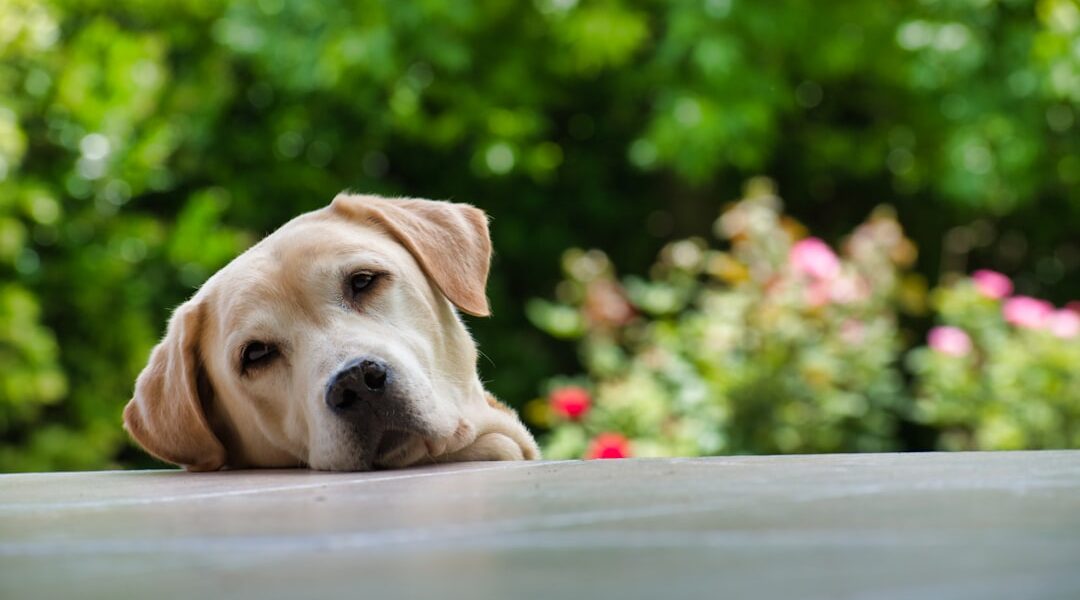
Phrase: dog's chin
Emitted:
{"points": [[393, 449], [398, 449]]}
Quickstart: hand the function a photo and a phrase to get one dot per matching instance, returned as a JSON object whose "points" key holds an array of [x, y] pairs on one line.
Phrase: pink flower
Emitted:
{"points": [[1064, 323], [848, 289], [1073, 306], [852, 332], [1024, 311], [949, 340], [608, 445], [813, 257], [817, 293], [606, 305], [992, 284], [571, 402], [841, 290]]}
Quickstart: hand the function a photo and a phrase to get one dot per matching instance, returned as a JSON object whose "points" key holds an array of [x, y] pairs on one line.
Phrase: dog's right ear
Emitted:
{"points": [[449, 240], [166, 415]]}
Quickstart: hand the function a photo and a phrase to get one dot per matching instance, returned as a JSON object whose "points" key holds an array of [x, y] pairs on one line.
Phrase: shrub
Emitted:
{"points": [[1001, 373], [777, 344], [774, 344]]}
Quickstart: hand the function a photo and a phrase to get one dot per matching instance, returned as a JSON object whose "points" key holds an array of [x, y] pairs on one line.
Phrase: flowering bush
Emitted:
{"points": [[1003, 372], [777, 344]]}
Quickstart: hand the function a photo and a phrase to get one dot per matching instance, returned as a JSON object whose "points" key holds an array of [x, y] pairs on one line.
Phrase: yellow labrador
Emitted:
{"points": [[333, 343]]}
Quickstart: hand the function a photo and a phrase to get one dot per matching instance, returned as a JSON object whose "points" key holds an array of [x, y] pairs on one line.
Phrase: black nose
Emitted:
{"points": [[374, 375], [364, 379]]}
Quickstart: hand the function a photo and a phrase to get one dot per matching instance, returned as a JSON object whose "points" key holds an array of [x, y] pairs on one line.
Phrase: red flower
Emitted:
{"points": [[608, 445], [570, 402]]}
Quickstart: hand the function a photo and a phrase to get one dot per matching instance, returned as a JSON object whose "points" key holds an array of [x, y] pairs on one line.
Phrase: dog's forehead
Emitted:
{"points": [[321, 234], [287, 268], [306, 244]]}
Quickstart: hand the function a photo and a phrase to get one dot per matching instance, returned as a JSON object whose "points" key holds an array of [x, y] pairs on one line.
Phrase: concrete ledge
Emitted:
{"points": [[964, 525]]}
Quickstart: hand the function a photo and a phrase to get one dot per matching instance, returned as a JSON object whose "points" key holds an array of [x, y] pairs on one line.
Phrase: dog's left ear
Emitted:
{"points": [[449, 240], [165, 415]]}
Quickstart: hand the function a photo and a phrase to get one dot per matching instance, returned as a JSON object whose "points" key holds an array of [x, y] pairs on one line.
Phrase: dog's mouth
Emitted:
{"points": [[391, 444]]}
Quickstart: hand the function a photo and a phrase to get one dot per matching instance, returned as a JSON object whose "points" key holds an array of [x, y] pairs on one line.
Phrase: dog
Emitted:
{"points": [[333, 344]]}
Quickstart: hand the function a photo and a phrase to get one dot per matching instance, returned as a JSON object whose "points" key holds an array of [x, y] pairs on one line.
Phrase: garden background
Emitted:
{"points": [[143, 144]]}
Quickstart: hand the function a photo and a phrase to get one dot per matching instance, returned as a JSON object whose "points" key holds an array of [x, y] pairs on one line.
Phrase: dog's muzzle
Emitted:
{"points": [[365, 393]]}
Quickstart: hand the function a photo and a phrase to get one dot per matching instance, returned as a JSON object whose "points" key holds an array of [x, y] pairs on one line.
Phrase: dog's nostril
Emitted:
{"points": [[348, 397], [374, 375], [344, 398]]}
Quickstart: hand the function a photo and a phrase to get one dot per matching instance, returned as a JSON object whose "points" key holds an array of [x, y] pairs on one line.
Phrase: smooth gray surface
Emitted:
{"points": [[992, 525]]}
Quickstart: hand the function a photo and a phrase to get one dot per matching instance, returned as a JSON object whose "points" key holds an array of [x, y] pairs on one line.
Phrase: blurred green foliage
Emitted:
{"points": [[142, 144]]}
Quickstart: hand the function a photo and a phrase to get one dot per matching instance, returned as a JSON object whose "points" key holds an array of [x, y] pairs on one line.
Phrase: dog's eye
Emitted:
{"points": [[256, 354], [358, 282]]}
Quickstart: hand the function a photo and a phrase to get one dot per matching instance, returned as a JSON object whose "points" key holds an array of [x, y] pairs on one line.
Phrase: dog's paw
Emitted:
{"points": [[489, 446]]}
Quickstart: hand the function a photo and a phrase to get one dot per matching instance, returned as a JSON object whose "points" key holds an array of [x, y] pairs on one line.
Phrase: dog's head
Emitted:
{"points": [[332, 343]]}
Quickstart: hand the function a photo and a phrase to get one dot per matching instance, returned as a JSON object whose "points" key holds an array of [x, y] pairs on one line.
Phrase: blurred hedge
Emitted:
{"points": [[142, 144]]}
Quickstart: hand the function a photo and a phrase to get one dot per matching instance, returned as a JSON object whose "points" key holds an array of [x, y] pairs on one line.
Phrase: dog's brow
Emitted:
{"points": [[244, 333]]}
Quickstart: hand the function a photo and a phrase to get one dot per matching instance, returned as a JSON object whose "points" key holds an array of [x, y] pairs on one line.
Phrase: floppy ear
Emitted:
{"points": [[166, 414], [449, 240]]}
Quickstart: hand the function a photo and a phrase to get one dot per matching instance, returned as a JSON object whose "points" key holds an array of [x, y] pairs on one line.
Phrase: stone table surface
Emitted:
{"points": [[885, 526]]}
